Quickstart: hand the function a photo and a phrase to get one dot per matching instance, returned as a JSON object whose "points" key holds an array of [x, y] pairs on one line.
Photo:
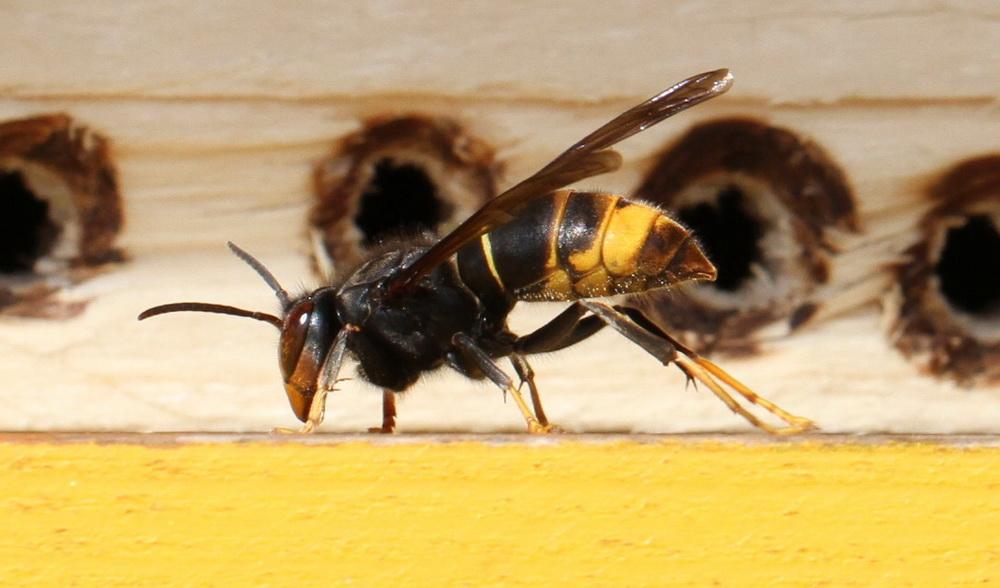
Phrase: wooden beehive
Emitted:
{"points": [[217, 120]]}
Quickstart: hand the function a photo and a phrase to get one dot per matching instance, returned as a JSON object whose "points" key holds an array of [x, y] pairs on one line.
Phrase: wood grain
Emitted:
{"points": [[812, 52], [215, 137]]}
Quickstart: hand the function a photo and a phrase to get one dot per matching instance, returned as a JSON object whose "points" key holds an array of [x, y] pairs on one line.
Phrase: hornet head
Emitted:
{"points": [[309, 335]]}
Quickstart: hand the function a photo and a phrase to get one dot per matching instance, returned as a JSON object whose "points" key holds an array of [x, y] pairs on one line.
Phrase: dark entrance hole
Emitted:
{"points": [[969, 267], [395, 177], [729, 234], [400, 199], [26, 231]]}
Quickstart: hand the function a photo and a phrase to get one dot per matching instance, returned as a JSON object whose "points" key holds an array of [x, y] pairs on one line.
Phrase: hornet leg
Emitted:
{"points": [[473, 352], [325, 383], [661, 346], [567, 328], [388, 413], [527, 375]]}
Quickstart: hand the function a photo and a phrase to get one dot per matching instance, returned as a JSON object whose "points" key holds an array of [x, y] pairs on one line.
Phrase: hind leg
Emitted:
{"points": [[567, 328], [654, 341], [527, 376]]}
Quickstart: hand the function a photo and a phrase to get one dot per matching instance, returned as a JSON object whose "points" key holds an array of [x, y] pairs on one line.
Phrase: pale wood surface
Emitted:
{"points": [[792, 51], [218, 114]]}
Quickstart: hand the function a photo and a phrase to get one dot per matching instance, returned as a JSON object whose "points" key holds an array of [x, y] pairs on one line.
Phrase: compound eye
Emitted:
{"points": [[293, 337]]}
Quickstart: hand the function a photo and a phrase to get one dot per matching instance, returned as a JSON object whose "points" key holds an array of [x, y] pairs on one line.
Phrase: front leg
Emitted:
{"points": [[325, 382], [316, 411], [388, 414]]}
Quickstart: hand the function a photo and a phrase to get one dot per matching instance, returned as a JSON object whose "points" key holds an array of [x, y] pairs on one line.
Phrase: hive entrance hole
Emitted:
{"points": [[400, 199], [729, 234], [26, 231], [969, 267]]}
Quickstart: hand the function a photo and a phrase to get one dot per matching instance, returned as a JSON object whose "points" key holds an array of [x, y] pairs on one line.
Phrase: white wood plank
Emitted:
{"points": [[560, 51]]}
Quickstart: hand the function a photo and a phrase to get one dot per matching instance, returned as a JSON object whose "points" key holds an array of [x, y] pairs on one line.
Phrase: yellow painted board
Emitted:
{"points": [[565, 513]]}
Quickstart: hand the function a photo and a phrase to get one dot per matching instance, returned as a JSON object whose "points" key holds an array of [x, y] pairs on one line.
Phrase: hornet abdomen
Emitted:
{"points": [[571, 245]]}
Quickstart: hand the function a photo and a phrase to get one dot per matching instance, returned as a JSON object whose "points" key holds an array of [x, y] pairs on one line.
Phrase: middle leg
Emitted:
{"points": [[527, 375], [474, 353]]}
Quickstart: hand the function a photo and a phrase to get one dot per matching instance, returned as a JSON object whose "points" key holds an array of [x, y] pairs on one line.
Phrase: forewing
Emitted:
{"points": [[590, 156]]}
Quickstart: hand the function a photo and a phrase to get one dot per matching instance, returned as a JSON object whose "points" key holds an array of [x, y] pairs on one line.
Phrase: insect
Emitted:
{"points": [[416, 305]]}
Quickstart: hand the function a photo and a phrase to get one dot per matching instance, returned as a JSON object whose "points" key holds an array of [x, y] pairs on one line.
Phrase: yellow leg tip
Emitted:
{"points": [[536, 428], [305, 429]]}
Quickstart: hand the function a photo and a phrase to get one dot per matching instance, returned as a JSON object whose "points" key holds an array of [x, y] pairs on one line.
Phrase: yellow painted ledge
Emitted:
{"points": [[475, 514]]}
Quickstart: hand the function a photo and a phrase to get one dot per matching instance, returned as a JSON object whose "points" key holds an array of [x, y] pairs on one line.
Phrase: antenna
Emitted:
{"points": [[209, 307], [263, 272], [258, 267]]}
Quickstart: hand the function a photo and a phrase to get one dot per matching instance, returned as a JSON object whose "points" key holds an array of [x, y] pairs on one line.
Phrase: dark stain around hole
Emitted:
{"points": [[26, 231], [81, 159], [399, 200], [397, 176], [969, 266], [729, 234], [801, 177], [799, 172]]}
